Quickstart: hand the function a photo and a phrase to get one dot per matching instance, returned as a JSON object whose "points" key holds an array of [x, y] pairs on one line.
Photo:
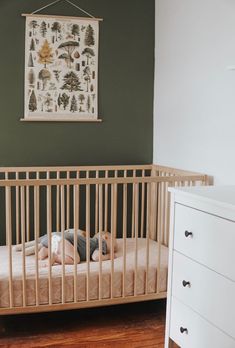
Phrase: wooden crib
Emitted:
{"points": [[132, 202]]}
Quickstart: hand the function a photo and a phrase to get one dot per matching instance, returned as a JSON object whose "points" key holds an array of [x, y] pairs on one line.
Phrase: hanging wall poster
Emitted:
{"points": [[61, 68]]}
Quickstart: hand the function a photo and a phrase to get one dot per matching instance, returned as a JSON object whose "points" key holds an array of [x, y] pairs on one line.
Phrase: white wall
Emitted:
{"points": [[194, 121]]}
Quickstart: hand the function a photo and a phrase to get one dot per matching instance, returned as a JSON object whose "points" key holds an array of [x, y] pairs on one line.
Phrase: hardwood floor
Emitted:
{"points": [[127, 326]]}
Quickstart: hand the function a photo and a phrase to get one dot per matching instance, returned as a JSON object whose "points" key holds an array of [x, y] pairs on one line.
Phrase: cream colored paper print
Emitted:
{"points": [[61, 65]]}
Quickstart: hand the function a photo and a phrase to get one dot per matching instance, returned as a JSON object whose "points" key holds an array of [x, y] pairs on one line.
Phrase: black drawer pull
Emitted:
{"points": [[183, 330], [185, 283], [187, 234]]}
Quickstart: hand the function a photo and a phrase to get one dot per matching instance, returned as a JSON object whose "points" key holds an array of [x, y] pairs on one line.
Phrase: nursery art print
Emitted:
{"points": [[61, 64]]}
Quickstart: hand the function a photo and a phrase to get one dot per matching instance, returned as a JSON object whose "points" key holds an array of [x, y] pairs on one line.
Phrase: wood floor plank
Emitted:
{"points": [[126, 326]]}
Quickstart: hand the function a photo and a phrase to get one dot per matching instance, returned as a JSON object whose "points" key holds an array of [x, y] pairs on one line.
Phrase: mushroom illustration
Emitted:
{"points": [[45, 76], [67, 59], [68, 47]]}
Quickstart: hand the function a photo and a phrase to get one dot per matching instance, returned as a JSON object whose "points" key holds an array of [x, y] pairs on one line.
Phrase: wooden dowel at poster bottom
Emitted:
{"points": [[59, 119]]}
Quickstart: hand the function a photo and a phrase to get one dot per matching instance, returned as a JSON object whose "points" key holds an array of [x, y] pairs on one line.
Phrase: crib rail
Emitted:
{"points": [[131, 202], [74, 171]]}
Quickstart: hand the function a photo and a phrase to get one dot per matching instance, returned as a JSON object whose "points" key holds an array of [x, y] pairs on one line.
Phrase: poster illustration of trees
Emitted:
{"points": [[61, 65]]}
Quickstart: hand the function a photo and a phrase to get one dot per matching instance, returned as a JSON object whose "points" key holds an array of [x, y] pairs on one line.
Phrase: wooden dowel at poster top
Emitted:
{"points": [[62, 17]]}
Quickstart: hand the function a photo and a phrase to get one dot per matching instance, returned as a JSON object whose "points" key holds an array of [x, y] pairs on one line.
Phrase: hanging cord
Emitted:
{"points": [[42, 8], [69, 2]]}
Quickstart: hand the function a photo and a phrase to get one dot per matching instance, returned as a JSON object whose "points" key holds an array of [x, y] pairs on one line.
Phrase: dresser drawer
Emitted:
{"points": [[208, 293], [199, 334], [205, 238]]}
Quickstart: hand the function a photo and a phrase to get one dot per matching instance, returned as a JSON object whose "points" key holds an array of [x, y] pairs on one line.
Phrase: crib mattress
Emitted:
{"points": [[82, 276]]}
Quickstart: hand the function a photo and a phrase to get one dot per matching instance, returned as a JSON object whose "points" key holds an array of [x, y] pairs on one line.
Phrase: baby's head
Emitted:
{"points": [[107, 237]]}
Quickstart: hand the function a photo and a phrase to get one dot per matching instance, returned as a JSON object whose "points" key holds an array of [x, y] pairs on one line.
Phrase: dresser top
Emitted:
{"points": [[219, 195]]}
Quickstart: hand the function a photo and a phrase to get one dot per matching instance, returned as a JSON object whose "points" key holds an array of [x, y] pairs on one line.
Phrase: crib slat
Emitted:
{"points": [[163, 211], [113, 231], [22, 205], [49, 227], [133, 208], [112, 228], [78, 176], [88, 240], [37, 176], [100, 193], [17, 213], [62, 210], [159, 235], [100, 266], [167, 208], [157, 206], [76, 226], [9, 241], [27, 209], [36, 235], [68, 204], [106, 204], [115, 213], [142, 207], [148, 208], [57, 204], [96, 202], [168, 214], [124, 229], [153, 207], [136, 222]]}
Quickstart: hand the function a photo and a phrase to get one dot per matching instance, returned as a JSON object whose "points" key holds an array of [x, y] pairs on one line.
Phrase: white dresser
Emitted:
{"points": [[201, 282]]}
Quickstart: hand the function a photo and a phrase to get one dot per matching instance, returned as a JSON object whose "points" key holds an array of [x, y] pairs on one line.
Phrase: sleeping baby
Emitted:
{"points": [[57, 247]]}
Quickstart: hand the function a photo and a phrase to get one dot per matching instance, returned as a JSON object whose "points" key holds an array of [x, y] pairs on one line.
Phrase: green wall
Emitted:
{"points": [[126, 72]]}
